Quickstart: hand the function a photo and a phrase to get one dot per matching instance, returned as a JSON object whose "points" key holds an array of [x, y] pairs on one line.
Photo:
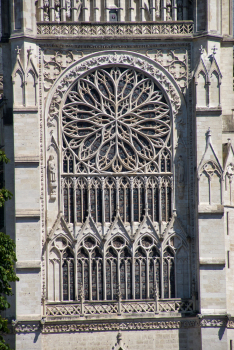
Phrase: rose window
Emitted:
{"points": [[116, 127], [116, 120]]}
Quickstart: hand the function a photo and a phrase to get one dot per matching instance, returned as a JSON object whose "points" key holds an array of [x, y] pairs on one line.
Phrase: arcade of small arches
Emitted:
{"points": [[97, 271]]}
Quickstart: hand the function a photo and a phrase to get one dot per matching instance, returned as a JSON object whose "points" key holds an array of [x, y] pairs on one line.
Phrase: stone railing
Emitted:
{"points": [[124, 308], [115, 29]]}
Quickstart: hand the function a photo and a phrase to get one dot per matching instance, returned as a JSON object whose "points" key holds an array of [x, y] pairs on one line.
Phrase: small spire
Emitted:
{"points": [[214, 49], [17, 50], [29, 51], [208, 137], [201, 50]]}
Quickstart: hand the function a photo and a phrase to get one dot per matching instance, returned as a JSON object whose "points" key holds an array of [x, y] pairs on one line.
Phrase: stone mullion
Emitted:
{"points": [[142, 11], [175, 279], [106, 11], [63, 10], [68, 201], [152, 189], [75, 274], [90, 278], [117, 196], [74, 200], [73, 11], [89, 203], [85, 11], [152, 10], [159, 200], [97, 10], [41, 10], [104, 276], [147, 278], [61, 278], [161, 273], [96, 211], [111, 275], [166, 202], [164, 10], [146, 196], [103, 203], [82, 203], [68, 279], [54, 280], [124, 204], [126, 278], [168, 275], [172, 197], [120, 11], [133, 277], [140, 279], [131, 11], [52, 12], [139, 203], [110, 206], [174, 10], [131, 201], [97, 279]]}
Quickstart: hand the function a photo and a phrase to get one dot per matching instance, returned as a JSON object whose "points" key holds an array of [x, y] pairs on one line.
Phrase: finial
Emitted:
{"points": [[214, 49], [201, 50], [229, 141], [17, 50], [208, 137], [29, 51]]}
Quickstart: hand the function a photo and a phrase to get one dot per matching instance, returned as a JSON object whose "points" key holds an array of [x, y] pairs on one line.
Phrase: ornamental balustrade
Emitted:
{"points": [[184, 28], [148, 307]]}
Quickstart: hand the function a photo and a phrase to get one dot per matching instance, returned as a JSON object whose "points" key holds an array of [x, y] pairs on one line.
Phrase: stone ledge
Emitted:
{"points": [[25, 109], [28, 264], [28, 213], [208, 111], [211, 261], [210, 209], [27, 159]]}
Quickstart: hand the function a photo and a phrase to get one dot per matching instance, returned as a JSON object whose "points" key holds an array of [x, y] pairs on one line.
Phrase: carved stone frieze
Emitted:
{"points": [[55, 62], [115, 325], [118, 326], [175, 61]]}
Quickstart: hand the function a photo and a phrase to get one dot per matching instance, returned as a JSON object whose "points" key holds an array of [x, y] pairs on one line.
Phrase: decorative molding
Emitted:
{"points": [[28, 213], [25, 109], [28, 264], [118, 326], [210, 209], [211, 261], [31, 327], [27, 159], [102, 31], [213, 322]]}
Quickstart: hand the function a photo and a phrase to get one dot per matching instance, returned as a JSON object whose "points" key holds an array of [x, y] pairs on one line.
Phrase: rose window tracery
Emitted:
{"points": [[116, 137], [116, 120]]}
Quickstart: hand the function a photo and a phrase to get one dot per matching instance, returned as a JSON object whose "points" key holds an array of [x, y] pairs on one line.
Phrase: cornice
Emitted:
{"points": [[202, 321]]}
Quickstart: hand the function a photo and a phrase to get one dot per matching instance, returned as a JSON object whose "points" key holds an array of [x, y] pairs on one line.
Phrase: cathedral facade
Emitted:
{"points": [[117, 117]]}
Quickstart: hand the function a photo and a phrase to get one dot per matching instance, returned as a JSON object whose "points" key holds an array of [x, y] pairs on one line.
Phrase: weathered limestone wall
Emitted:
{"points": [[188, 339]]}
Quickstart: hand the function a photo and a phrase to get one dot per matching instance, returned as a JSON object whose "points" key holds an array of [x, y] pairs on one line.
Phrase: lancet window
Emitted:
{"points": [[119, 269]]}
